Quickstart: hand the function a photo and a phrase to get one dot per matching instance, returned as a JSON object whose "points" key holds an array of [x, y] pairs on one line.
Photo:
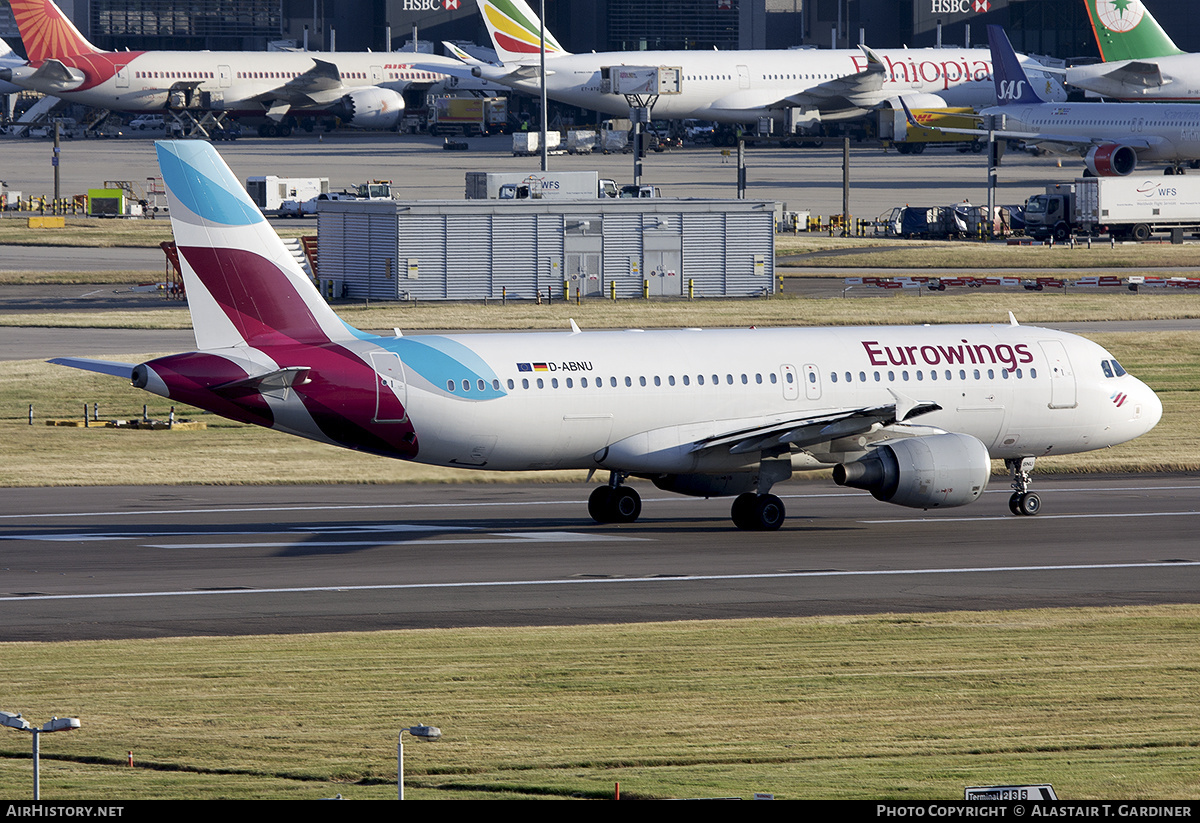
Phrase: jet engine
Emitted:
{"points": [[930, 472], [373, 108], [1111, 160]]}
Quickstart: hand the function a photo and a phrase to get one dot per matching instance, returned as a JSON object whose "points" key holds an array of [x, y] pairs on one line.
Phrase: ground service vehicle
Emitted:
{"points": [[1134, 207], [468, 115], [551, 185]]}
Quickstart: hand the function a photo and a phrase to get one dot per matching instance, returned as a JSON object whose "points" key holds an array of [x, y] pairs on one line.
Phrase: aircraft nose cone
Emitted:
{"points": [[1152, 410]]}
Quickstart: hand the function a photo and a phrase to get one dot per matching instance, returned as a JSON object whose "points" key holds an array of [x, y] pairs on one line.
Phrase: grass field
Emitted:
{"points": [[1100, 702]]}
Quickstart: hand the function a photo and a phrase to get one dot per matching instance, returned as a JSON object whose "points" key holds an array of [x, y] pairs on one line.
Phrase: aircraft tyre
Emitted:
{"points": [[619, 505], [598, 503], [1024, 503], [758, 512]]}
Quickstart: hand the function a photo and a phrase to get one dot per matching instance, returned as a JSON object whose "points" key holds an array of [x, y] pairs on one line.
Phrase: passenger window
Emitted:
{"points": [[449, 385]]}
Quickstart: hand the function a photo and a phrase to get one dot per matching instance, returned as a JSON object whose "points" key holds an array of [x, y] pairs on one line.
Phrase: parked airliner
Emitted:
{"points": [[362, 88], [740, 86], [1142, 62], [912, 414], [1113, 138]]}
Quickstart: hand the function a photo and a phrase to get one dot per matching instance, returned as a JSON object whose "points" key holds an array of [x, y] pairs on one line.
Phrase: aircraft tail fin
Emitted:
{"points": [[1012, 84], [514, 29], [47, 33], [1128, 31], [243, 286]]}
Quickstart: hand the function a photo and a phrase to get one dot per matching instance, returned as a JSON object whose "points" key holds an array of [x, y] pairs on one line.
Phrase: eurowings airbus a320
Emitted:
{"points": [[914, 414]]}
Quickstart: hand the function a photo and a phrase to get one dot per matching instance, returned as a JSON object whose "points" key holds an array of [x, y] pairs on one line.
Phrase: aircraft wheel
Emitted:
{"points": [[1030, 504], [1014, 503], [742, 511], [599, 504], [769, 513], [625, 505]]}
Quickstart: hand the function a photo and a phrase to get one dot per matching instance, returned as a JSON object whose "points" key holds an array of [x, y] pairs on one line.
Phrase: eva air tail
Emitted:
{"points": [[1125, 30], [514, 29]]}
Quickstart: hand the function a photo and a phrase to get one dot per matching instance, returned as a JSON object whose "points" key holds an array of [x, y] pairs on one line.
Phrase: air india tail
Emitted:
{"points": [[1128, 31], [47, 33], [514, 29]]}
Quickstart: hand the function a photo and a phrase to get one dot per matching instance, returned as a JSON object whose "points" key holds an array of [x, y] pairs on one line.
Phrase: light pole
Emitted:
{"points": [[422, 732], [56, 724]]}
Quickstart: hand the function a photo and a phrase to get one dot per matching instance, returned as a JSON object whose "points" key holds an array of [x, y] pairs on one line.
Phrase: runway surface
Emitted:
{"points": [[86, 563]]}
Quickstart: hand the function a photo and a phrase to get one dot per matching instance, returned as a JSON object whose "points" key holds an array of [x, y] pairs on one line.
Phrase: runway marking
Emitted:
{"points": [[491, 539], [1040, 517], [597, 581], [514, 503]]}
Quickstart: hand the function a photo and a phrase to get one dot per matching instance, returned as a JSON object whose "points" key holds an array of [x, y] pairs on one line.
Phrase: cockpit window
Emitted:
{"points": [[1106, 368], [1117, 368]]}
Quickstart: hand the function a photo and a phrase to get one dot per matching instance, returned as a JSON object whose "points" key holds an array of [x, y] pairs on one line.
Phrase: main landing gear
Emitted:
{"points": [[758, 512], [614, 503], [1023, 501]]}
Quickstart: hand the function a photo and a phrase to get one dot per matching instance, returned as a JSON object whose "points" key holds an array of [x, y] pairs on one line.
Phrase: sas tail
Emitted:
{"points": [[1012, 84], [243, 287], [514, 29], [48, 34], [1128, 31]]}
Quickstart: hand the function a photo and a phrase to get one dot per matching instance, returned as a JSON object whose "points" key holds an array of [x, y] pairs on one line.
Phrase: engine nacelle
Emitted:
{"points": [[936, 471], [372, 108], [1111, 160]]}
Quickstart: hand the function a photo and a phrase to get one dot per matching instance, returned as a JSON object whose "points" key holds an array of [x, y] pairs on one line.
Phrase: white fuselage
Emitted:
{"points": [[243, 80], [1156, 131], [738, 86], [636, 401]]}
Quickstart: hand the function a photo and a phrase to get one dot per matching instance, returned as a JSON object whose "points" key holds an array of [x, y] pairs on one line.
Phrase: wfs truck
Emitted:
{"points": [[1130, 207]]}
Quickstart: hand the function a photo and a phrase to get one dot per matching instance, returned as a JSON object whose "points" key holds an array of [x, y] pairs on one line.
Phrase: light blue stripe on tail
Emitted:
{"points": [[199, 180]]}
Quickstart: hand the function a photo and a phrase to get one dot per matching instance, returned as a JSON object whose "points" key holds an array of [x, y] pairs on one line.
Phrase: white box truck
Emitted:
{"points": [[1137, 206], [560, 185], [270, 193]]}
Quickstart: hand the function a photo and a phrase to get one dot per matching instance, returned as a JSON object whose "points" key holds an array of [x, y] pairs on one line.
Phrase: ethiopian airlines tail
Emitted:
{"points": [[1126, 30], [515, 31], [1012, 84], [47, 33]]}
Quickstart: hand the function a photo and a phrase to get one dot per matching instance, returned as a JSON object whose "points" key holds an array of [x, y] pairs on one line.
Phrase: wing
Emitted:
{"points": [[802, 432], [860, 90], [1138, 75]]}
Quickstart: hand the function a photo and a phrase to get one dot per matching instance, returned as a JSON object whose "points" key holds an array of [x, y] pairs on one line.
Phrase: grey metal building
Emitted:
{"points": [[476, 249]]}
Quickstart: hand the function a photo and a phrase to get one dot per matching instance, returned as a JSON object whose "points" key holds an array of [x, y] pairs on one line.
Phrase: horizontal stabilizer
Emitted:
{"points": [[278, 380], [102, 366]]}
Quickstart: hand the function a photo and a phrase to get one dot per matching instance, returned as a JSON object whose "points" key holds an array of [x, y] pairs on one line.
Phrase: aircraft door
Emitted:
{"points": [[225, 76], [122, 77], [812, 382], [1062, 379], [790, 381], [377, 74], [391, 389], [743, 77]]}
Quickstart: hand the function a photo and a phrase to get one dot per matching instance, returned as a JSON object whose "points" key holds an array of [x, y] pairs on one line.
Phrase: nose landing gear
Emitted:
{"points": [[1022, 501]]}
